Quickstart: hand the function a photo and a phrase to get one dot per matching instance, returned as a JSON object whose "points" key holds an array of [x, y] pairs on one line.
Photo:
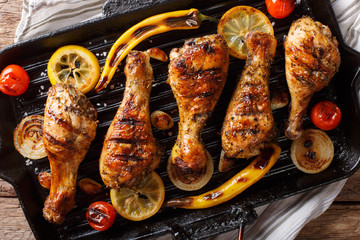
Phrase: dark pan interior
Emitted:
{"points": [[283, 180]]}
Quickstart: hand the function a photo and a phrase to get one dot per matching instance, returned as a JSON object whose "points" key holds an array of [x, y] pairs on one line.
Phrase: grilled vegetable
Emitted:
{"points": [[236, 185], [157, 54], [161, 120], [325, 115], [278, 99], [239, 20], [197, 76], [142, 202], [45, 179], [28, 140], [312, 152], [14, 80], [165, 22], [100, 215], [280, 8], [90, 186], [74, 65]]}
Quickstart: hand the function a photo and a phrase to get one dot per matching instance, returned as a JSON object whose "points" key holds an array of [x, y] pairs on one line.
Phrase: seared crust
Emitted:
{"points": [[130, 151], [311, 60], [249, 123], [197, 75], [68, 130]]}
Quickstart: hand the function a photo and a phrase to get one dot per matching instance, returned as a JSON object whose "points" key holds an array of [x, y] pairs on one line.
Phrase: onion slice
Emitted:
{"points": [[28, 139], [312, 152], [190, 182]]}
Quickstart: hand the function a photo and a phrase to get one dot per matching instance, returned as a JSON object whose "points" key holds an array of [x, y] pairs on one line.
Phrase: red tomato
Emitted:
{"points": [[100, 215], [325, 115], [280, 8], [14, 80]]}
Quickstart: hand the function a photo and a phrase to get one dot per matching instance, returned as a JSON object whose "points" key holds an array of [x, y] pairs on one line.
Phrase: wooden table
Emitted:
{"points": [[340, 221]]}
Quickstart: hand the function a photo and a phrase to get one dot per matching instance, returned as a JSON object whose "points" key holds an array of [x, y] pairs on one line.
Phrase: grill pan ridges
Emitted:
{"points": [[98, 35]]}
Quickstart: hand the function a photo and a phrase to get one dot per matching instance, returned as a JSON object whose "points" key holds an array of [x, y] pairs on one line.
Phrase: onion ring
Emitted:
{"points": [[312, 152], [28, 139]]}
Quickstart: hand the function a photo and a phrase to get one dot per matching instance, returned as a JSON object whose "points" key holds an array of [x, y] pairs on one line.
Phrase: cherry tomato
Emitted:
{"points": [[100, 215], [14, 80], [280, 8], [325, 115]]}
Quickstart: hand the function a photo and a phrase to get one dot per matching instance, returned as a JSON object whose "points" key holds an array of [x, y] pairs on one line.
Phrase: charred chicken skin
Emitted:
{"points": [[68, 130], [249, 124], [311, 60], [130, 151], [197, 74]]}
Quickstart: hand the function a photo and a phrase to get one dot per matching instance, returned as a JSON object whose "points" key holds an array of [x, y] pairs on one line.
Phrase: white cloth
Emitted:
{"points": [[42, 16], [347, 13], [282, 219]]}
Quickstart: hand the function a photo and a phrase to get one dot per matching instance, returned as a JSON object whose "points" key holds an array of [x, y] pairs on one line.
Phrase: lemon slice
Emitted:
{"points": [[74, 65], [139, 204], [236, 22]]}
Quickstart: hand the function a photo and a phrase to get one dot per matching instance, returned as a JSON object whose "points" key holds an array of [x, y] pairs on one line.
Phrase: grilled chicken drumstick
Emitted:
{"points": [[68, 130], [249, 123], [311, 60], [197, 74], [130, 151]]}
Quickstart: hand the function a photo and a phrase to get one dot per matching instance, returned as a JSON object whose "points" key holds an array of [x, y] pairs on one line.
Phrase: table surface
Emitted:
{"points": [[340, 221]]}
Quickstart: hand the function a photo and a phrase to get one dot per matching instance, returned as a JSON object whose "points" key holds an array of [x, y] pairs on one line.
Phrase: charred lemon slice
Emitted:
{"points": [[141, 203], [236, 22], [74, 65]]}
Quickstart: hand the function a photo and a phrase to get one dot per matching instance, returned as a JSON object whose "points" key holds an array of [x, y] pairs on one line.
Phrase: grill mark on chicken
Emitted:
{"points": [[311, 60], [179, 162], [201, 95], [247, 131], [52, 140], [197, 75], [249, 123], [119, 140], [251, 100], [64, 124], [69, 128], [130, 151], [313, 67], [126, 157], [181, 65], [129, 107], [59, 120], [314, 63], [128, 133], [129, 121]]}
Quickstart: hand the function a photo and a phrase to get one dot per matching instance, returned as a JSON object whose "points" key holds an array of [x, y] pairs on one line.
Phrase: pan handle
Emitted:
{"points": [[230, 218], [248, 216]]}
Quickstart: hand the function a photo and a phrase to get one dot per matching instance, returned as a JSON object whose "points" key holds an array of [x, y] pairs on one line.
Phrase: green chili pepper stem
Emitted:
{"points": [[203, 17]]}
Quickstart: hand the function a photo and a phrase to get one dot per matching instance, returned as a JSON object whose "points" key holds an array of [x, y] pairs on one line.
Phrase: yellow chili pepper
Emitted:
{"points": [[177, 20], [233, 187]]}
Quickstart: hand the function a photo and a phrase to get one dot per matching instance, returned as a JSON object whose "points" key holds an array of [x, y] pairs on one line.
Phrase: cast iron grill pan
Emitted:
{"points": [[98, 35]]}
